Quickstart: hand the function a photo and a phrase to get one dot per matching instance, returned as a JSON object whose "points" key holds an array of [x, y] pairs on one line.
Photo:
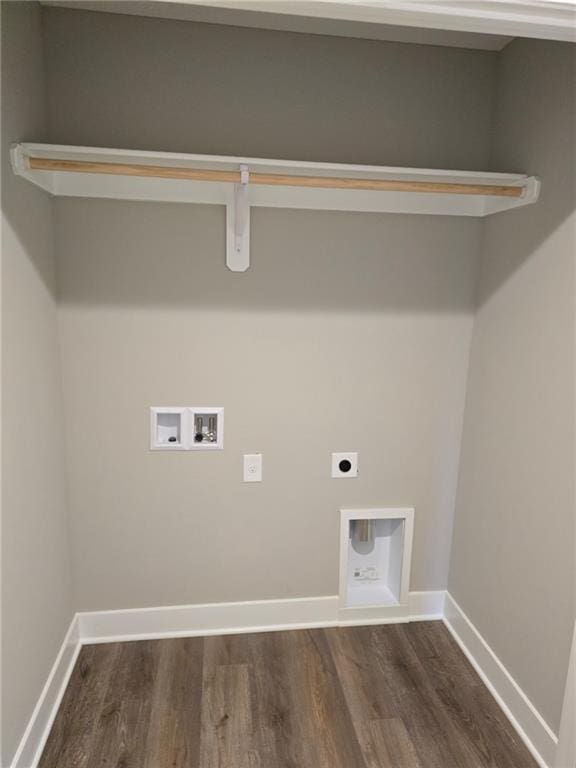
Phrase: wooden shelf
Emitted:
{"points": [[241, 183], [164, 176]]}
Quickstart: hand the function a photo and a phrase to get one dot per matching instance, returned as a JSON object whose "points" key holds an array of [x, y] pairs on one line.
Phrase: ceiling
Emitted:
{"points": [[480, 24]]}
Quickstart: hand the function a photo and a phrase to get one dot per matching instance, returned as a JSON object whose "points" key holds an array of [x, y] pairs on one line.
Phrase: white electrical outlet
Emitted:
{"points": [[252, 467]]}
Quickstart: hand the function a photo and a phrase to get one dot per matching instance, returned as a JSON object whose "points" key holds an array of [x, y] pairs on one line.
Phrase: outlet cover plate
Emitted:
{"points": [[344, 465], [252, 467]]}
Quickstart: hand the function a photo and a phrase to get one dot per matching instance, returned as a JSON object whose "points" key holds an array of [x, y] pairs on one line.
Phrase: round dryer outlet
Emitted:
{"points": [[344, 465]]}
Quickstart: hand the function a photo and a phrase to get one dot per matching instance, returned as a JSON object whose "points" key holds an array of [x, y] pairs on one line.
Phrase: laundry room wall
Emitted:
{"points": [[349, 332]]}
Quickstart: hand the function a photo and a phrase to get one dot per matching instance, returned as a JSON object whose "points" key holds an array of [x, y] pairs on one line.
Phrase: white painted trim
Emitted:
{"points": [[188, 621], [294, 23], [72, 184], [21, 152], [275, 615], [566, 752], [377, 613], [183, 443], [236, 618], [523, 715], [421, 606], [547, 19], [36, 733], [207, 619], [426, 606]]}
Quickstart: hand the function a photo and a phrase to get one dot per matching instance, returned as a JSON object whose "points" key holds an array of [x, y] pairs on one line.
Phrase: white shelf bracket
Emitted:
{"points": [[238, 225]]}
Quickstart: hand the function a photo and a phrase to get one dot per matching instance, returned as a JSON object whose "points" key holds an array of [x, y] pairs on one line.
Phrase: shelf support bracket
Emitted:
{"points": [[238, 226]]}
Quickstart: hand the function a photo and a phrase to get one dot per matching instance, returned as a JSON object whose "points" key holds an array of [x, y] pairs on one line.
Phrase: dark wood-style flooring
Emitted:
{"points": [[396, 696]]}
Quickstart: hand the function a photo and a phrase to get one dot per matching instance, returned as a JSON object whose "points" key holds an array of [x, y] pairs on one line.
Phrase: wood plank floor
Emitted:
{"points": [[395, 696]]}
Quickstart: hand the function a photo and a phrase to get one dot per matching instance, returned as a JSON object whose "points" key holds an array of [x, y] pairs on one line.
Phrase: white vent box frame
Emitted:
{"points": [[169, 429], [375, 558], [186, 429]]}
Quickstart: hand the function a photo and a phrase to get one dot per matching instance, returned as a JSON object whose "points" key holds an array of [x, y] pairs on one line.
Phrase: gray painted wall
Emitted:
{"points": [[123, 81], [513, 569], [36, 589], [349, 332], [338, 310]]}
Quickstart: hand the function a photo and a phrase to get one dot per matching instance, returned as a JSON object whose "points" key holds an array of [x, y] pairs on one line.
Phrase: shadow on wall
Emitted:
{"points": [[151, 254], [122, 253], [510, 239], [215, 89], [20, 107], [35, 241], [535, 133]]}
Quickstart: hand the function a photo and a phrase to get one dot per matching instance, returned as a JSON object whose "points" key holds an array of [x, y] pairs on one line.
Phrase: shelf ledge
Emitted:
{"points": [[242, 183]]}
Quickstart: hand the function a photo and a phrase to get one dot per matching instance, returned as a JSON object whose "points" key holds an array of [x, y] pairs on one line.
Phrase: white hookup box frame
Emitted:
{"points": [[177, 428]]}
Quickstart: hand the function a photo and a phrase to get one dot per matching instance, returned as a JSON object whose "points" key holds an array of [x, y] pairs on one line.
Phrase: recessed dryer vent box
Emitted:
{"points": [[169, 429], [375, 554], [207, 429]]}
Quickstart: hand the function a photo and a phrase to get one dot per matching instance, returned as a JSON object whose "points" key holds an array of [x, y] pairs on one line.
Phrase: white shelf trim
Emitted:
{"points": [[542, 19], [138, 175], [547, 19]]}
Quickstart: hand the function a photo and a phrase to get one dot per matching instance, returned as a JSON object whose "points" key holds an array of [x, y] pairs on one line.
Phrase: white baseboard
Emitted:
{"points": [[274, 615], [34, 738], [235, 618], [426, 606], [187, 621], [421, 606], [208, 619], [527, 721]]}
